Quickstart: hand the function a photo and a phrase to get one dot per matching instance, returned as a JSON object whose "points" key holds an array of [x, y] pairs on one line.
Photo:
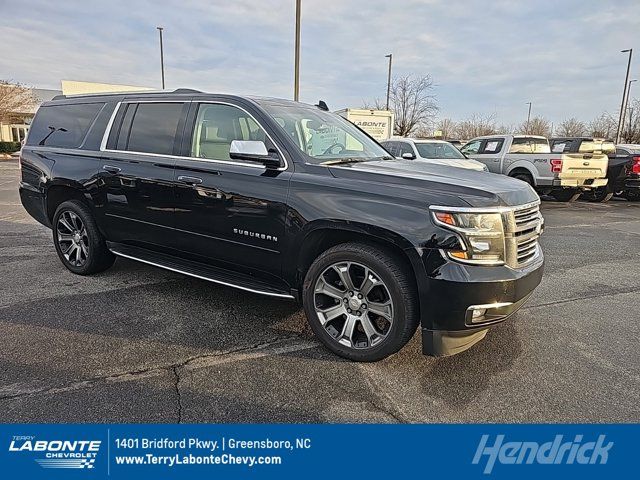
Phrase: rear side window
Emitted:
{"points": [[62, 125], [559, 146], [154, 128], [529, 145]]}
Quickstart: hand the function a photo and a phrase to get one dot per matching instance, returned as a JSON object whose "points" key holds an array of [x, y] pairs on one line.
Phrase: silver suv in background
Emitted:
{"points": [[529, 158], [437, 152]]}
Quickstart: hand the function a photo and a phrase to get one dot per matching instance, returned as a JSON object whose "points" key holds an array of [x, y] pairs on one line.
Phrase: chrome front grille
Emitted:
{"points": [[523, 226]]}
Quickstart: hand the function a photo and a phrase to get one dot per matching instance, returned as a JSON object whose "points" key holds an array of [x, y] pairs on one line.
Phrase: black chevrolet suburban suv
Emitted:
{"points": [[289, 200]]}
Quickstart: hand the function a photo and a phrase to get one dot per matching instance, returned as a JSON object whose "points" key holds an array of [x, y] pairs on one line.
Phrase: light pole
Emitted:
{"points": [[626, 106], [390, 57], [624, 94], [161, 56], [528, 117], [296, 68]]}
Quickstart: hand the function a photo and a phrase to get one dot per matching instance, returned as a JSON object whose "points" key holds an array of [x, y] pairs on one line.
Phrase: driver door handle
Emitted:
{"points": [[189, 180]]}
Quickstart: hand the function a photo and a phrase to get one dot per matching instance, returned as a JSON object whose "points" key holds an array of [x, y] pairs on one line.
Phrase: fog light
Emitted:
{"points": [[478, 313]]}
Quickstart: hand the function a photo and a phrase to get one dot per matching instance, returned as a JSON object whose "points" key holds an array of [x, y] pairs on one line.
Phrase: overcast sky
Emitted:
{"points": [[485, 56]]}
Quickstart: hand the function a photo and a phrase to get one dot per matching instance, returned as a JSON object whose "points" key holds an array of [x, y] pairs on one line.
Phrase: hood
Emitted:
{"points": [[477, 189], [454, 162]]}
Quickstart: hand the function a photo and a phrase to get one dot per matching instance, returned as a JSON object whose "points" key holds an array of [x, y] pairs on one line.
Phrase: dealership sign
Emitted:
{"points": [[243, 451]]}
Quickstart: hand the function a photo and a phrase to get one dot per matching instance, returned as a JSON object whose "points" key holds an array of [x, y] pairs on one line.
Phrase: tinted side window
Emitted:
{"points": [[62, 125], [492, 146], [154, 128], [559, 146], [217, 125]]}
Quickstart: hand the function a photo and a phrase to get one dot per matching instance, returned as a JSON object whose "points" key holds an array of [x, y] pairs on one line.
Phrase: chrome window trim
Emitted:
{"points": [[105, 137]]}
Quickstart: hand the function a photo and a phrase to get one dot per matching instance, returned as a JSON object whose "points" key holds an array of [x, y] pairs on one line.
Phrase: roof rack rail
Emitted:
{"points": [[186, 90], [141, 92]]}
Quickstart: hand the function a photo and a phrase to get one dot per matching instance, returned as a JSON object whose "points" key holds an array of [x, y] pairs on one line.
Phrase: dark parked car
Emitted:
{"points": [[287, 200], [627, 181]]}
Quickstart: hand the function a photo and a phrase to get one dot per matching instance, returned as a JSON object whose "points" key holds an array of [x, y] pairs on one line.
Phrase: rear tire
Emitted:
{"points": [[79, 244], [360, 301], [566, 194], [600, 195]]}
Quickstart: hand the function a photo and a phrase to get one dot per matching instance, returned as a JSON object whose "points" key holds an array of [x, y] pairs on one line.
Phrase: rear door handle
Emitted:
{"points": [[111, 169], [189, 180]]}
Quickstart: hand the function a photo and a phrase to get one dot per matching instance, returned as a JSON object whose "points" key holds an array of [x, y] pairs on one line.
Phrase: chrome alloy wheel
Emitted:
{"points": [[72, 238], [353, 305]]}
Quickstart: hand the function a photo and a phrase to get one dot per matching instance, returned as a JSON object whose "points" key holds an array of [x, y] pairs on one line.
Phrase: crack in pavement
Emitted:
{"points": [[178, 395], [275, 347], [587, 297]]}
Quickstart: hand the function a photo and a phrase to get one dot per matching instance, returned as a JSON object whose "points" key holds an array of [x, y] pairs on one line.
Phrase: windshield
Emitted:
{"points": [[325, 137], [438, 150]]}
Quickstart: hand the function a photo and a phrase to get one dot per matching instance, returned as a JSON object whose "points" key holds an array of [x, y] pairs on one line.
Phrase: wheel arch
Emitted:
{"points": [[58, 193], [319, 236], [523, 167]]}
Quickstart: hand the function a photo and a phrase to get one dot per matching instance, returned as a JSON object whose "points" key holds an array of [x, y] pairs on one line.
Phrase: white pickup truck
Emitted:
{"points": [[528, 158]]}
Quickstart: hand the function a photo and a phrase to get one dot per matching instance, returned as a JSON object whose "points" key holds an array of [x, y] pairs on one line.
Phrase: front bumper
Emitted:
{"points": [[449, 291], [632, 183]]}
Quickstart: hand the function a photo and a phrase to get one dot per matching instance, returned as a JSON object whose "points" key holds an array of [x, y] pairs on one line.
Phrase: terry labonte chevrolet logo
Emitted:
{"points": [[57, 453], [261, 236]]}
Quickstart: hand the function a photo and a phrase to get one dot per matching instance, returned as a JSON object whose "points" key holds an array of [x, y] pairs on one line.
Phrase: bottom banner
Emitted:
{"points": [[316, 451]]}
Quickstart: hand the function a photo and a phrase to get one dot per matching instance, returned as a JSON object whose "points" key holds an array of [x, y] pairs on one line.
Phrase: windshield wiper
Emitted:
{"points": [[338, 161]]}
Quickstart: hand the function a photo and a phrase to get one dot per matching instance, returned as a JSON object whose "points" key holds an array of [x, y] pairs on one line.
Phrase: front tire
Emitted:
{"points": [[566, 194], [361, 302], [79, 244], [632, 195]]}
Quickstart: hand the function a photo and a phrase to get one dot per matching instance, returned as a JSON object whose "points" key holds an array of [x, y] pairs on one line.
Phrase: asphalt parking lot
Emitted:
{"points": [[140, 344]]}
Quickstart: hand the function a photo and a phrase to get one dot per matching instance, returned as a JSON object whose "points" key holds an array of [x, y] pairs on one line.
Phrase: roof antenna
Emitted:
{"points": [[322, 106]]}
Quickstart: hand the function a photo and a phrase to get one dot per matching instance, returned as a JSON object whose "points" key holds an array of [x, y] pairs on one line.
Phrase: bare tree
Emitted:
{"points": [[572, 127], [536, 126], [377, 104], [476, 125], [631, 127], [15, 99], [447, 127], [412, 103], [604, 126]]}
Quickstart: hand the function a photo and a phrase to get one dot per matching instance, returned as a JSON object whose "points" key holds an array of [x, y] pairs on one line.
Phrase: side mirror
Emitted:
{"points": [[408, 156], [253, 151]]}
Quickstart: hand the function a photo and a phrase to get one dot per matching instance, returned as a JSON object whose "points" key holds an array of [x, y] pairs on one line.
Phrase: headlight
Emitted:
{"points": [[482, 236]]}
